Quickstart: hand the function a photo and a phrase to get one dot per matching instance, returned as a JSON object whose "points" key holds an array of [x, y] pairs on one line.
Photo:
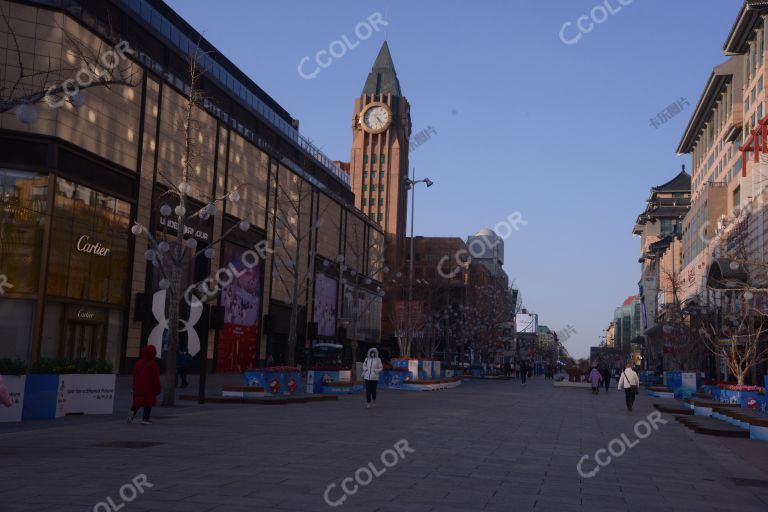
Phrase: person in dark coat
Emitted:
{"points": [[607, 378], [183, 364], [146, 384]]}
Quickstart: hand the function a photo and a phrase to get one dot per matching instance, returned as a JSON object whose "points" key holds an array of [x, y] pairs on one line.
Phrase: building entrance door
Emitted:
{"points": [[85, 334], [84, 341]]}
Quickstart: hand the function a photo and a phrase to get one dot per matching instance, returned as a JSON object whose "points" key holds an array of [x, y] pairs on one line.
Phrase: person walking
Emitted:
{"points": [[523, 371], [630, 383], [183, 364], [606, 378], [507, 369], [595, 378], [371, 369], [5, 396], [146, 384]]}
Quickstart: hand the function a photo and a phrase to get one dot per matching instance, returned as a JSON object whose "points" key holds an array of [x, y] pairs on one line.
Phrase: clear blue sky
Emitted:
{"points": [[560, 133]]}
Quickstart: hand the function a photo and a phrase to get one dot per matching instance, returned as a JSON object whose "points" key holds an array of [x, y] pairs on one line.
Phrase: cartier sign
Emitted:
{"points": [[85, 314], [85, 245]]}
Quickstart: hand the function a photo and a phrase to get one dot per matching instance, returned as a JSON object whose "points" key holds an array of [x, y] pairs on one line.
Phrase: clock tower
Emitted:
{"points": [[381, 127]]}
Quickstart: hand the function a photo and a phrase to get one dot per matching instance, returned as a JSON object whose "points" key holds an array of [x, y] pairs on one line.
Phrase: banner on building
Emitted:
{"points": [[324, 310], [238, 347]]}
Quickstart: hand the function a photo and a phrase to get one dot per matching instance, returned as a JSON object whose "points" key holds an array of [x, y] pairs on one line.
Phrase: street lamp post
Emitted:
{"points": [[410, 184]]}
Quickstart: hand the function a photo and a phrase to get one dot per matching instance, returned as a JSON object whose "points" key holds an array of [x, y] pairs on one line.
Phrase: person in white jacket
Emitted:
{"points": [[371, 369], [627, 380]]}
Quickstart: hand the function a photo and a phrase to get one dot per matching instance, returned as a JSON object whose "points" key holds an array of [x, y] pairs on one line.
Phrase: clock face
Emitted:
{"points": [[377, 118]]}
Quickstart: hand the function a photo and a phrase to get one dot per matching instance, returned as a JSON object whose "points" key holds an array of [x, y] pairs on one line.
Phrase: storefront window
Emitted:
{"points": [[74, 331], [23, 206], [16, 320], [89, 245]]}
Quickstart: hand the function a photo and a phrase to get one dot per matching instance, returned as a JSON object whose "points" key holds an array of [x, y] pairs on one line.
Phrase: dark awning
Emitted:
{"points": [[726, 274]]}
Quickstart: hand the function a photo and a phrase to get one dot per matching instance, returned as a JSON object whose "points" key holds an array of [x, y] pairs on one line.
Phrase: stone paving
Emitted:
{"points": [[486, 445]]}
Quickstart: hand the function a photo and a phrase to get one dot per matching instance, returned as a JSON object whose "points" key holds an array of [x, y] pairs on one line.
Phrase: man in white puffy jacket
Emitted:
{"points": [[628, 379], [371, 369]]}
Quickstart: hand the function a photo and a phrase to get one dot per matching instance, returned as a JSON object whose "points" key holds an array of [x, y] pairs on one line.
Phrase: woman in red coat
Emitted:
{"points": [[146, 384]]}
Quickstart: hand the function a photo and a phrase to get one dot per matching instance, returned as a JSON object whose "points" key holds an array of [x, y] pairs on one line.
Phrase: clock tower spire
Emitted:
{"points": [[381, 127]]}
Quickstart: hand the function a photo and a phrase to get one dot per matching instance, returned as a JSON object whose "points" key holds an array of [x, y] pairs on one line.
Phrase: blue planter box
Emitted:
{"points": [[682, 387], [740, 397], [50, 396], [41, 393]]}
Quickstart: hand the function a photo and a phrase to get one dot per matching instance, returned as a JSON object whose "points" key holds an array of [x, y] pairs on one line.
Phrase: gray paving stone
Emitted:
{"points": [[471, 453]]}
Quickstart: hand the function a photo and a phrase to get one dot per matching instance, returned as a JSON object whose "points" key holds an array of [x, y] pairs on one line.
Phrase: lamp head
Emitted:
{"points": [[429, 182]]}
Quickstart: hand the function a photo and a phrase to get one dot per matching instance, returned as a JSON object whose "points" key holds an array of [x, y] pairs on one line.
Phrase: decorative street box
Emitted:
{"points": [[316, 379], [395, 378], [275, 383], [425, 370], [436, 369]]}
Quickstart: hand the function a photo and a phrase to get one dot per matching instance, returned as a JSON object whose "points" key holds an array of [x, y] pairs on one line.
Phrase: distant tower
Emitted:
{"points": [[381, 127]]}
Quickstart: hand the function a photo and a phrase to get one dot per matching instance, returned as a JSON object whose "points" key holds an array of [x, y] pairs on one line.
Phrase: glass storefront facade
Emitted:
{"points": [[84, 262]]}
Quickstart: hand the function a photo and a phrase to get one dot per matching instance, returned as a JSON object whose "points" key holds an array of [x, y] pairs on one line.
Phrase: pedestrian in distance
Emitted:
{"points": [[630, 383], [523, 372], [183, 364], [595, 378], [5, 396], [607, 378], [146, 384], [507, 369], [517, 371], [372, 367]]}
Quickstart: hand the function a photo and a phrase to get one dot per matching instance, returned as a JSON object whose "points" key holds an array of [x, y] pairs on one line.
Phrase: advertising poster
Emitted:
{"points": [[401, 318], [324, 310], [87, 394], [238, 347], [15, 385]]}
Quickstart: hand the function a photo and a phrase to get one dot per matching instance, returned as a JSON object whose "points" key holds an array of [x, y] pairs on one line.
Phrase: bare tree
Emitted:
{"points": [[738, 331], [293, 228], [361, 271], [682, 343], [172, 253], [58, 82]]}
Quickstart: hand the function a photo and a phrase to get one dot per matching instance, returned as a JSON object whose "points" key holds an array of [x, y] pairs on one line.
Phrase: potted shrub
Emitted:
{"points": [[13, 372], [58, 387]]}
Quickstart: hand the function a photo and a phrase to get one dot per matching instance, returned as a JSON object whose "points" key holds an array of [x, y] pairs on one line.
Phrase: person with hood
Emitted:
{"points": [[595, 378], [630, 383], [146, 384], [371, 369], [5, 396]]}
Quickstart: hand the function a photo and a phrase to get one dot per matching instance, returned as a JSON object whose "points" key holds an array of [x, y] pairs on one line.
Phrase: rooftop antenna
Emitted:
{"points": [[386, 18]]}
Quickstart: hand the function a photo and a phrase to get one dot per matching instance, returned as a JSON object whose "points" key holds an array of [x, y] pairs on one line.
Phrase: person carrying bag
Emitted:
{"points": [[630, 383]]}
